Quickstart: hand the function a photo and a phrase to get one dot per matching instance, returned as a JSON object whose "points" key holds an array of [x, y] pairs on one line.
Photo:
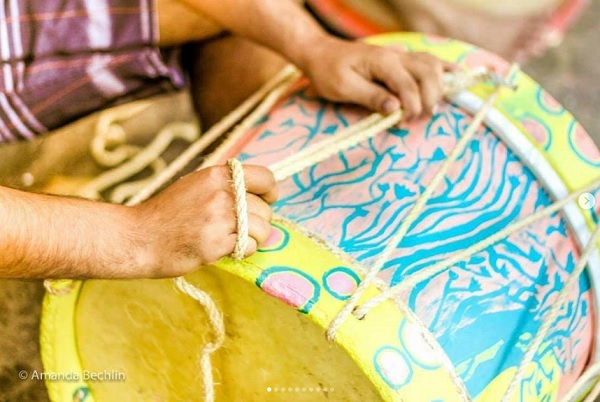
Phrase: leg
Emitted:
{"points": [[224, 72]]}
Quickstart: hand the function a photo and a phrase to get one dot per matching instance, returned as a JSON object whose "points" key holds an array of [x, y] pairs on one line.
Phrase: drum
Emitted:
{"points": [[360, 18], [457, 335]]}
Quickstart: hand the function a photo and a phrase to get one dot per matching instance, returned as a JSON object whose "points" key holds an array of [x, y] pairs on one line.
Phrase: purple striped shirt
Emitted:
{"points": [[64, 59]]}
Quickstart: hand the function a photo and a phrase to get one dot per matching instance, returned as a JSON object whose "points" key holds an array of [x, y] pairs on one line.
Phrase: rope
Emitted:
{"points": [[216, 321], [345, 139], [110, 134], [415, 211], [123, 192], [582, 384], [185, 131], [594, 394], [551, 316], [476, 248], [241, 208], [287, 75], [52, 288]]}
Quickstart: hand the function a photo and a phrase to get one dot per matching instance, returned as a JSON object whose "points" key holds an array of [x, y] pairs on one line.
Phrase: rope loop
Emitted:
{"points": [[60, 287], [241, 208]]}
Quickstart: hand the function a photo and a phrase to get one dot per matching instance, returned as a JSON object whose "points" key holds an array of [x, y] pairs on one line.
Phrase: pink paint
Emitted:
{"points": [[537, 131], [341, 283], [291, 288], [274, 239], [584, 144]]}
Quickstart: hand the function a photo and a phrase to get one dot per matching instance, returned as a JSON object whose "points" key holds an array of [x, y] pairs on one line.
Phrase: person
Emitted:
{"points": [[64, 60], [516, 30]]}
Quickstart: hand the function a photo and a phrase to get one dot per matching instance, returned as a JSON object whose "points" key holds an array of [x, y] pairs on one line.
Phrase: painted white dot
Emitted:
{"points": [[417, 347], [275, 389], [331, 389], [394, 367], [297, 389], [290, 389], [311, 389], [318, 389], [269, 389], [303, 389]]}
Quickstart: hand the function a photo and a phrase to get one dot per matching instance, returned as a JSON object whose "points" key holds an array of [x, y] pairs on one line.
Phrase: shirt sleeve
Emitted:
{"points": [[64, 59]]}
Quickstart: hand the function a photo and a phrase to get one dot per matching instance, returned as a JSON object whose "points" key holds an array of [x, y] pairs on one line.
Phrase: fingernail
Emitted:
{"points": [[390, 106], [435, 109]]}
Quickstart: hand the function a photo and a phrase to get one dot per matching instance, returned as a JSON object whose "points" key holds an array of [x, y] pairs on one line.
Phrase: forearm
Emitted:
{"points": [[43, 236], [281, 25]]}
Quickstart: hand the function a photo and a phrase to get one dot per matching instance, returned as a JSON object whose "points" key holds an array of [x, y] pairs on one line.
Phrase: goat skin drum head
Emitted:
{"points": [[457, 335]]}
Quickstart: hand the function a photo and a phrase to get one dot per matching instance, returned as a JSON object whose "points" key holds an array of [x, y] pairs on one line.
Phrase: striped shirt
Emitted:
{"points": [[64, 59]]}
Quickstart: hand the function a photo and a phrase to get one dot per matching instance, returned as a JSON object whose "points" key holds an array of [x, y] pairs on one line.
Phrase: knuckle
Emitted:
{"points": [[345, 81], [376, 100], [216, 174], [410, 86], [266, 228], [221, 248], [271, 181], [222, 197]]}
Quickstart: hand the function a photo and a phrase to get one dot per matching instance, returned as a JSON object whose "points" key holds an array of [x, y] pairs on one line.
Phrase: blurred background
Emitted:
{"points": [[571, 73]]}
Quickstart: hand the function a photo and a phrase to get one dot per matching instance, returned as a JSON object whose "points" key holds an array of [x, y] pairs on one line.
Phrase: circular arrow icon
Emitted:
{"points": [[587, 201]]}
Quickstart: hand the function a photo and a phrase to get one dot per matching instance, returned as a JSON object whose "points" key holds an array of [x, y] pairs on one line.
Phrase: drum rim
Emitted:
{"points": [[58, 330]]}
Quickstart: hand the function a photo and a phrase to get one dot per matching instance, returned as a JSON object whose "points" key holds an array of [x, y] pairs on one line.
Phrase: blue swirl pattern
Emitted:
{"points": [[483, 311]]}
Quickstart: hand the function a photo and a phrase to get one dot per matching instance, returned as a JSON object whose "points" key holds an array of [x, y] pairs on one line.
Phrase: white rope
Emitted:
{"points": [[467, 253], [216, 320], [241, 208], [343, 140], [165, 137], [594, 394], [285, 76], [60, 287], [414, 213], [111, 135], [551, 316], [121, 193], [582, 385]]}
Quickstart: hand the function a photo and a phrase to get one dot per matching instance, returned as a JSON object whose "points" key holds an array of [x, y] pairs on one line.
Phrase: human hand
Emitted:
{"points": [[193, 223], [381, 79]]}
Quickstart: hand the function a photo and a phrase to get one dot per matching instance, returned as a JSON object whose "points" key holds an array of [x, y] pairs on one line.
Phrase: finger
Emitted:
{"points": [[258, 206], [393, 74], [225, 246], [260, 181], [449, 67], [430, 77], [258, 228], [251, 248], [371, 95]]}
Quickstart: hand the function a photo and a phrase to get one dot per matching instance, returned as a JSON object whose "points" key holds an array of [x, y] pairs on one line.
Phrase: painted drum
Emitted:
{"points": [[456, 336], [360, 18]]}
